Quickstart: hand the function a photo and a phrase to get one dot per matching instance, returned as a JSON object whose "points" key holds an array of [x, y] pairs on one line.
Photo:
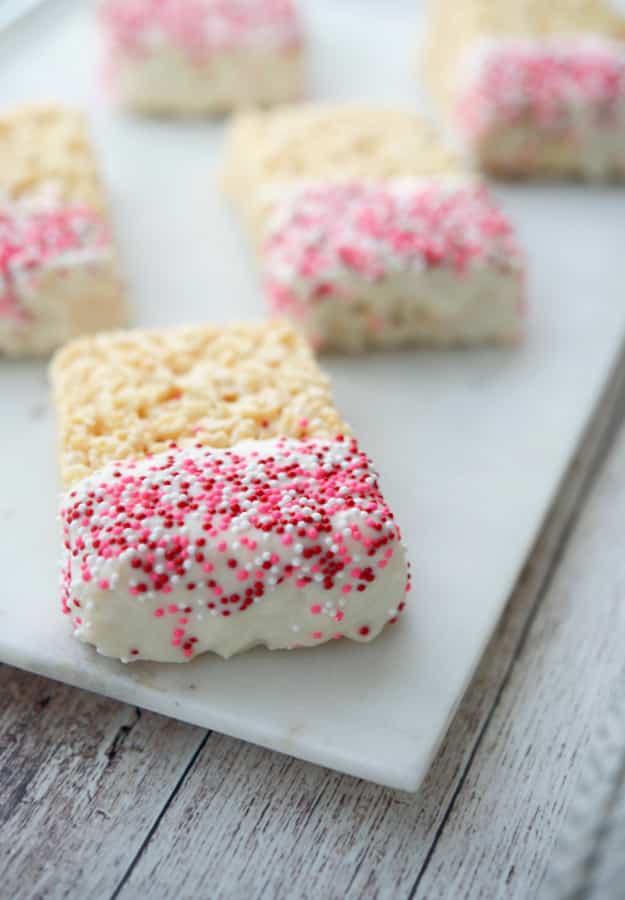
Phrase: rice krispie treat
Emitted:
{"points": [[59, 275], [533, 88], [370, 232], [194, 57], [215, 500]]}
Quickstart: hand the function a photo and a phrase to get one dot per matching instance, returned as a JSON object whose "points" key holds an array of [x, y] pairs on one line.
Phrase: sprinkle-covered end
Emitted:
{"points": [[286, 543], [528, 96], [360, 263]]}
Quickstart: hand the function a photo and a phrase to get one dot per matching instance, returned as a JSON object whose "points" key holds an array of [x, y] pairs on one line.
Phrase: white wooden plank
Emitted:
{"points": [[82, 780], [589, 859], [251, 823], [500, 834]]}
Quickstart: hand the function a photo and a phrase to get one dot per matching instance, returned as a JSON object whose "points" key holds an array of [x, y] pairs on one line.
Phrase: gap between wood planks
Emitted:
{"points": [[533, 583]]}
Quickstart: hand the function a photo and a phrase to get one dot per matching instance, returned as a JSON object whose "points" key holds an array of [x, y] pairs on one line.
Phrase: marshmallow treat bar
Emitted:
{"points": [[215, 500], [58, 269], [370, 233], [194, 57], [533, 88]]}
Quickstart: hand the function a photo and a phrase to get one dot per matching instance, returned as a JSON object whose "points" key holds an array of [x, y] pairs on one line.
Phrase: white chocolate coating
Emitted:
{"points": [[167, 82], [59, 276], [284, 543], [548, 106], [62, 304], [380, 264], [431, 309], [202, 56]]}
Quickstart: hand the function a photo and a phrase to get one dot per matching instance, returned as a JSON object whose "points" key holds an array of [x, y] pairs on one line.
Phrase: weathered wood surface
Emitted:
{"points": [[82, 780], [97, 800]]}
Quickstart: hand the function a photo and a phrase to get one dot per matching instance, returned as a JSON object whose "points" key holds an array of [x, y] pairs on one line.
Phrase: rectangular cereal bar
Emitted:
{"points": [[215, 500], [533, 88], [370, 233], [59, 274], [193, 57]]}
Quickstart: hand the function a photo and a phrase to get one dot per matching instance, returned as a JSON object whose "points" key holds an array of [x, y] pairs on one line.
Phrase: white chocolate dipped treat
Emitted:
{"points": [[360, 264], [533, 89], [199, 57], [215, 499], [370, 232], [59, 275], [285, 543]]}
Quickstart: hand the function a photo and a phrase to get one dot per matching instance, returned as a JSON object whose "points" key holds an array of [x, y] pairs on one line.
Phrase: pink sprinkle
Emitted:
{"points": [[294, 491], [547, 83], [222, 546], [317, 635], [198, 28], [103, 584], [34, 239], [327, 232]]}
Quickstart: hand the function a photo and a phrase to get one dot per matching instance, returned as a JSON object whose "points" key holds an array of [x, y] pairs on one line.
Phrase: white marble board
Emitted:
{"points": [[471, 445]]}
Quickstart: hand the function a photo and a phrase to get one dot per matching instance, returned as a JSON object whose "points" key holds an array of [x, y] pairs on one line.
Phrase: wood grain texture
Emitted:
{"points": [[82, 780], [588, 860]]}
